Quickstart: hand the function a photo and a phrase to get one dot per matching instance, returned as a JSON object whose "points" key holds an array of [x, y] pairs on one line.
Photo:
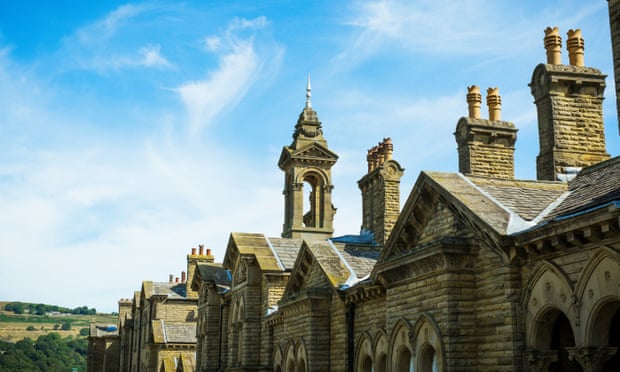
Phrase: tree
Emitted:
{"points": [[84, 332], [66, 326]]}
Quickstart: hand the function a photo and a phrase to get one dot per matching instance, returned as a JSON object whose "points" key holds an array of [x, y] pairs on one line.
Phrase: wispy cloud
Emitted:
{"points": [[239, 64], [107, 27]]}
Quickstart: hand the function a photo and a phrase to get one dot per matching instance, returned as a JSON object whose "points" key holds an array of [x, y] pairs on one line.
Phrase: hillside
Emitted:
{"points": [[16, 327]]}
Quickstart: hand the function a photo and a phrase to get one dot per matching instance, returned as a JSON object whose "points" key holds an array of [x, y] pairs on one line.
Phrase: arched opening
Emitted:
{"points": [[301, 367], [562, 337], [403, 360], [366, 364], [613, 364], [290, 366], [428, 359], [312, 199], [381, 363]]}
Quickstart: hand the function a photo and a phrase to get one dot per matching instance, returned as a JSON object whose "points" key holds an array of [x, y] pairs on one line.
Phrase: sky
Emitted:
{"points": [[131, 132]]}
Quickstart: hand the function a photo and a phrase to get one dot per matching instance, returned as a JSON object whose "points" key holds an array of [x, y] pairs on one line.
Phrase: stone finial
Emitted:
{"points": [[553, 45], [494, 102], [575, 46], [308, 94], [474, 99]]}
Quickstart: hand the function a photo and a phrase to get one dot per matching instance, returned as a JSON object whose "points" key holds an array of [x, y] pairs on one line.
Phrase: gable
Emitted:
{"points": [[318, 265], [314, 153], [444, 207]]}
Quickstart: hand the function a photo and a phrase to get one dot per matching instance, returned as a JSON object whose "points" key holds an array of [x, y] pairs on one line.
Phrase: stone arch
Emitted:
{"points": [[301, 357], [401, 351], [548, 291], [313, 197], [290, 360], [428, 345], [364, 353], [380, 347], [277, 359], [597, 294]]}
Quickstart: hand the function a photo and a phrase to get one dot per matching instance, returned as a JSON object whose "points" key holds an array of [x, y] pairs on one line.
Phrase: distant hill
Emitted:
{"points": [[41, 337]]}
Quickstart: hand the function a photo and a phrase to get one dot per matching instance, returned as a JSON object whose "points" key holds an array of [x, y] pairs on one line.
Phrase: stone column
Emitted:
{"points": [[591, 358]]}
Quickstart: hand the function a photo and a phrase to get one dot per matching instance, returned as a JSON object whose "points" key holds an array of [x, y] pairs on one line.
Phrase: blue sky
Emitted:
{"points": [[131, 132]]}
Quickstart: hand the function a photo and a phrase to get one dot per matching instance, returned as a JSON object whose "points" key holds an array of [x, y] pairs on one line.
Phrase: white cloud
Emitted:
{"points": [[108, 26], [152, 57], [239, 65]]}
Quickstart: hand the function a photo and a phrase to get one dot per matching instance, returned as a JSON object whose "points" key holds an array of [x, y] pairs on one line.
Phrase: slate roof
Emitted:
{"points": [[103, 330], [594, 186], [173, 332], [528, 199], [171, 290], [514, 206], [286, 249], [213, 272], [257, 245]]}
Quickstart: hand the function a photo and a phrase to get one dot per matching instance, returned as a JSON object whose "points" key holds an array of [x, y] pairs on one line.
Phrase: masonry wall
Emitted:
{"points": [[496, 331]]}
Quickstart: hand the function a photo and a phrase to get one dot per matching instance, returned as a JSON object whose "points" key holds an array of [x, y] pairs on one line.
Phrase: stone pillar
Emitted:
{"points": [[539, 360], [591, 358]]}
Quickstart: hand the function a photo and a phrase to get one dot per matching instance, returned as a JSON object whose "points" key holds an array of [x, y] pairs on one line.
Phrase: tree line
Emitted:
{"points": [[42, 309], [48, 353]]}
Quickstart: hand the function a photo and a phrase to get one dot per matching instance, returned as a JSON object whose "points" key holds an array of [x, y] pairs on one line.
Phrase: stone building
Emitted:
{"points": [[478, 272], [156, 329]]}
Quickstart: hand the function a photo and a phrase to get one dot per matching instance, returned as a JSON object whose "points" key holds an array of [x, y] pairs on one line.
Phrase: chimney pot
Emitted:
{"points": [[193, 251], [553, 45], [208, 251], [202, 249], [474, 99], [494, 102], [176, 280], [170, 278], [575, 46], [183, 277]]}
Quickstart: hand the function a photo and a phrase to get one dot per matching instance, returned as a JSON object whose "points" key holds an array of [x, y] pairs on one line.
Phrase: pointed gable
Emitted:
{"points": [[313, 153]]}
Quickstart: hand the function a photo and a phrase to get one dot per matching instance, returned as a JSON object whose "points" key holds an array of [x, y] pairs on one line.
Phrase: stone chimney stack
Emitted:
{"points": [[485, 147], [569, 103], [124, 311], [192, 261], [381, 191]]}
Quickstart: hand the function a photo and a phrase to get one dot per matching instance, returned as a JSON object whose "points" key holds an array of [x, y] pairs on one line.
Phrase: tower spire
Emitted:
{"points": [[308, 94]]}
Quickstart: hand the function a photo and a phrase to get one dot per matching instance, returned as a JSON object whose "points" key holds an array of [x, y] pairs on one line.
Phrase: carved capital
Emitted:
{"points": [[591, 358], [539, 360]]}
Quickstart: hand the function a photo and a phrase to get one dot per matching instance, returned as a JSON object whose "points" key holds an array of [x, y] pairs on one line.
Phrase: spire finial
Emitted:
{"points": [[308, 94]]}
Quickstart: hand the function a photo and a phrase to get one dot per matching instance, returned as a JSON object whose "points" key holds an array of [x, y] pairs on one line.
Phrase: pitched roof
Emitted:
{"points": [[173, 332], [257, 245], [594, 186], [286, 250], [170, 290]]}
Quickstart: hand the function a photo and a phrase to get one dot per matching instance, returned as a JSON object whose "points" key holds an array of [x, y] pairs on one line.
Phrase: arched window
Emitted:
{"points": [[404, 362], [427, 359], [381, 363], [562, 337]]}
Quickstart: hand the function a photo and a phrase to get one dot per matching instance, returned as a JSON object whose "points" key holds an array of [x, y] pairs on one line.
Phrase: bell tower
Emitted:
{"points": [[307, 163]]}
